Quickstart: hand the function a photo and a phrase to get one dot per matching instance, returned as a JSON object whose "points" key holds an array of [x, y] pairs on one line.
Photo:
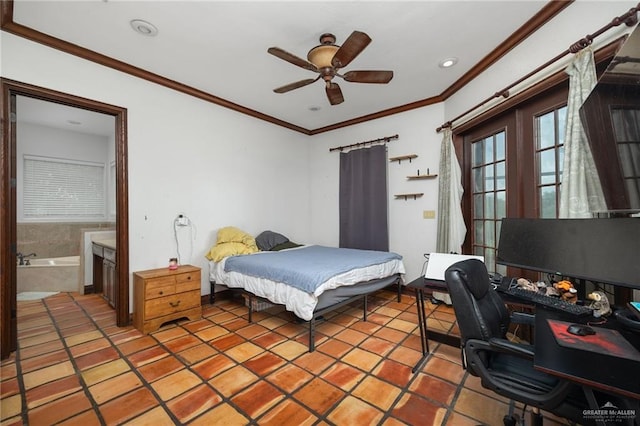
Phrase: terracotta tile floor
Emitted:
{"points": [[75, 367]]}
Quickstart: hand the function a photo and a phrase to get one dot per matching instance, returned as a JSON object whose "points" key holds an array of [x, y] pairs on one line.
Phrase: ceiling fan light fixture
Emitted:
{"points": [[321, 55], [325, 60], [448, 62]]}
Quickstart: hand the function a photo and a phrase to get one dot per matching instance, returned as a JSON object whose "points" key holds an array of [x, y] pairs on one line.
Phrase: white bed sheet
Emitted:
{"points": [[295, 300]]}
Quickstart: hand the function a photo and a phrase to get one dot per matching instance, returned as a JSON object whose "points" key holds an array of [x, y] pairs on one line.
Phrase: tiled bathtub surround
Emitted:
{"points": [[75, 367], [54, 239]]}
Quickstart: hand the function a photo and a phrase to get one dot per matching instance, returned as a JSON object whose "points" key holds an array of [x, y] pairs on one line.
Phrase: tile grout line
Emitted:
{"points": [[205, 382], [20, 379], [72, 360], [132, 367], [320, 417], [287, 395]]}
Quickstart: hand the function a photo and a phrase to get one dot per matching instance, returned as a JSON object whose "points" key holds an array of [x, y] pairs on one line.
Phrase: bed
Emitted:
{"points": [[309, 280]]}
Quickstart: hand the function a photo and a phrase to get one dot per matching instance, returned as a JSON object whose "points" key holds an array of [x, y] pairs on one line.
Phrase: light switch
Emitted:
{"points": [[429, 214]]}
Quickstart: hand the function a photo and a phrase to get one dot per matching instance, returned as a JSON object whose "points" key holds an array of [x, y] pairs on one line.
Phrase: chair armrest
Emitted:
{"points": [[523, 318], [517, 349]]}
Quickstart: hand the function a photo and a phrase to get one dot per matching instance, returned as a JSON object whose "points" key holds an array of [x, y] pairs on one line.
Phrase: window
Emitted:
{"points": [[488, 165], [513, 167], [627, 136], [549, 135], [63, 189]]}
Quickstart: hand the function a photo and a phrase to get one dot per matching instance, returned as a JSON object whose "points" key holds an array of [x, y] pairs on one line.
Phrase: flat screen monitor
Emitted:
{"points": [[603, 251]]}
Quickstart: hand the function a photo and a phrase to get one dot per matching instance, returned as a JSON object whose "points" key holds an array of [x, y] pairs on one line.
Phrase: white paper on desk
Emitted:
{"points": [[439, 262]]}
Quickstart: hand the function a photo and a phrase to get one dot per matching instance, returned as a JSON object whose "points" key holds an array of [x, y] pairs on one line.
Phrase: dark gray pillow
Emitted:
{"points": [[287, 245], [269, 239]]}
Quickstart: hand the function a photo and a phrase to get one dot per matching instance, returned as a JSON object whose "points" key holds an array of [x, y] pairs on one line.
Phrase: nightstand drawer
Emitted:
{"points": [[158, 290], [188, 277], [168, 305], [182, 286]]}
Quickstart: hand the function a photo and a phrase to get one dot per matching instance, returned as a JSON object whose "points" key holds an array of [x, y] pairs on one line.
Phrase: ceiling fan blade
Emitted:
{"points": [[295, 85], [334, 94], [351, 48], [380, 77], [291, 58]]}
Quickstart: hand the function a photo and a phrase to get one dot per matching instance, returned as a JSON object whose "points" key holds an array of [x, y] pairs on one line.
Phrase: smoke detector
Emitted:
{"points": [[144, 27]]}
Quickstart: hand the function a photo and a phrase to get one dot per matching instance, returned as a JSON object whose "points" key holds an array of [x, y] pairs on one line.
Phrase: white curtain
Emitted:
{"points": [[451, 227], [580, 192]]}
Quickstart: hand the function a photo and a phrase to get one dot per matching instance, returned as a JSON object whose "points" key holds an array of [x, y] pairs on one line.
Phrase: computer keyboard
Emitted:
{"points": [[549, 302]]}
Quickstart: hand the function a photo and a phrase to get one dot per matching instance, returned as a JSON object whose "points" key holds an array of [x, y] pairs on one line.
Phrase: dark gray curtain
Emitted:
{"points": [[363, 199]]}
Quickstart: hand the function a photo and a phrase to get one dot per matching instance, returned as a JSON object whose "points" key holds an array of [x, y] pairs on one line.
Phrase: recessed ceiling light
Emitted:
{"points": [[144, 27], [449, 62]]}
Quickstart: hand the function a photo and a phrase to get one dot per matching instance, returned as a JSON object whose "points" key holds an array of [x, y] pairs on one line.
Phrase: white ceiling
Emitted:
{"points": [[220, 47], [43, 113]]}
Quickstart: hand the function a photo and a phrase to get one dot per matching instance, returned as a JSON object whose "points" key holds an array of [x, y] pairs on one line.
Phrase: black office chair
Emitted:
{"points": [[503, 366]]}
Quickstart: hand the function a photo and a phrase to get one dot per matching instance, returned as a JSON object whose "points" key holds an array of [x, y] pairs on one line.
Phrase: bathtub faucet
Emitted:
{"points": [[22, 257]]}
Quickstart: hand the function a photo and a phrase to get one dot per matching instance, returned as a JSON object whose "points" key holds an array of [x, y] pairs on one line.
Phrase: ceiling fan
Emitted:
{"points": [[326, 59]]}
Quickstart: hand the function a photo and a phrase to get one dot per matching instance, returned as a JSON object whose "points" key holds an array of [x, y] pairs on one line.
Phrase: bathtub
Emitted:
{"points": [[50, 274]]}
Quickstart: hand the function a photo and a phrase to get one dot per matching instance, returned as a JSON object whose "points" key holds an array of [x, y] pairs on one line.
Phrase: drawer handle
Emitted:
{"points": [[174, 304], [160, 293]]}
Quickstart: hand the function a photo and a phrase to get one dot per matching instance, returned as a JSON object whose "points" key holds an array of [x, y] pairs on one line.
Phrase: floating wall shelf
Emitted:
{"points": [[406, 196], [403, 157], [414, 177]]}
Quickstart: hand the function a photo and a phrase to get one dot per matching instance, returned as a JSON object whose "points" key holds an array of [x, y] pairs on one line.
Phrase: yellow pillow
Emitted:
{"points": [[231, 234], [220, 251]]}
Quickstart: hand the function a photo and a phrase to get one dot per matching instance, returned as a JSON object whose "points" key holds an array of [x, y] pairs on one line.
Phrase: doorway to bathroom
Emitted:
{"points": [[39, 142], [65, 187]]}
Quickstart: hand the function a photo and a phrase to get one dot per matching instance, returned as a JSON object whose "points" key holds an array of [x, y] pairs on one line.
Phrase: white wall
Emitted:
{"points": [[217, 166], [409, 234]]}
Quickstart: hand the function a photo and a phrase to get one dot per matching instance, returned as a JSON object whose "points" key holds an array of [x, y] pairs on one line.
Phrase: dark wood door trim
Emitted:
{"points": [[9, 89]]}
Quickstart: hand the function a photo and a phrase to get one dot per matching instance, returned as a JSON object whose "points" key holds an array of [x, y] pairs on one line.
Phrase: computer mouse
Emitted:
{"points": [[580, 330]]}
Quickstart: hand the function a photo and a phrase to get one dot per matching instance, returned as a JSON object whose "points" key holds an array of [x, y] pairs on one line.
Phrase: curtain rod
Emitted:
{"points": [[385, 140], [628, 19]]}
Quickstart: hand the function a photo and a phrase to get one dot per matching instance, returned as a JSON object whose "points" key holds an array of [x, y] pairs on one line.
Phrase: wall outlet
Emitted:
{"points": [[429, 214], [182, 220]]}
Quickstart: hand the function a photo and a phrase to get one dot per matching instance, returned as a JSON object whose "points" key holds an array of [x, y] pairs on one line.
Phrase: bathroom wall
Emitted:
{"points": [[54, 239]]}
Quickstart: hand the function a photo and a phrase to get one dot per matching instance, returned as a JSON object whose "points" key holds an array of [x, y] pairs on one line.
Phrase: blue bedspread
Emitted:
{"points": [[306, 267]]}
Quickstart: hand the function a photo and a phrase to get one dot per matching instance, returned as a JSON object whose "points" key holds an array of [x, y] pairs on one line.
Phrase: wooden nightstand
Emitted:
{"points": [[162, 295]]}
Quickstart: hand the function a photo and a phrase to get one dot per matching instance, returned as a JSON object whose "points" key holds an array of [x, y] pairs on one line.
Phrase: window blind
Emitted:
{"points": [[63, 189]]}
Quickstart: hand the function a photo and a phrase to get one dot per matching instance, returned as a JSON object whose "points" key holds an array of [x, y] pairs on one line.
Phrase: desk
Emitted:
{"points": [[590, 369], [422, 286], [597, 370]]}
